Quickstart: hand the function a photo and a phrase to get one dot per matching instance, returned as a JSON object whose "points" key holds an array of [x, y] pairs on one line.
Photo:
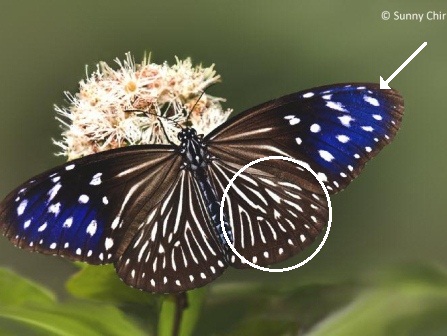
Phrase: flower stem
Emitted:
{"points": [[180, 312], [181, 303]]}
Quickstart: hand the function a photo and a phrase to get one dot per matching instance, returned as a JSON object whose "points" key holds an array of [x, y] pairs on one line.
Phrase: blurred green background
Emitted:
{"points": [[394, 213]]}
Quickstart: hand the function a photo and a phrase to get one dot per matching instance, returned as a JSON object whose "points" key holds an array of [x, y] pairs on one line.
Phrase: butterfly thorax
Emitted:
{"points": [[193, 149]]}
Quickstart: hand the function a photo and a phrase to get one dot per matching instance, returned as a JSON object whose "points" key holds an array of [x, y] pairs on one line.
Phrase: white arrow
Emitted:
{"points": [[384, 83]]}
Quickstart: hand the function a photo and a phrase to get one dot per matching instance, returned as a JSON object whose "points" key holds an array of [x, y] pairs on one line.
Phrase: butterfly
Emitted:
{"points": [[153, 210]]}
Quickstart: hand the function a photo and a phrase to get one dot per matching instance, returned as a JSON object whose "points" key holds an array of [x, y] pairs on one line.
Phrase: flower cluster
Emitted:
{"points": [[144, 103]]}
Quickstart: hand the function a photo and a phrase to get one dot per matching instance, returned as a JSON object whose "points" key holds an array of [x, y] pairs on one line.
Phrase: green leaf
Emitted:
{"points": [[102, 283], [411, 300], [190, 315], [72, 319], [26, 308], [16, 290]]}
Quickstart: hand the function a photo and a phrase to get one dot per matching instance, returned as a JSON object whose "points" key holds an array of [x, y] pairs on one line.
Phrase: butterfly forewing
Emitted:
{"points": [[272, 213], [335, 129], [84, 209], [174, 249]]}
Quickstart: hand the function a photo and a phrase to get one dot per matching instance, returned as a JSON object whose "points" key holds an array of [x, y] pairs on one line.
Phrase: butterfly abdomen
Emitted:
{"points": [[196, 159], [212, 205]]}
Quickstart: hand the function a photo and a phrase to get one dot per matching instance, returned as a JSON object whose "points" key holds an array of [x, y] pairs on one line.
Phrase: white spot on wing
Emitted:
{"points": [[53, 191], [69, 167], [294, 121], [68, 222], [22, 206], [308, 95], [27, 223], [96, 179], [377, 116], [115, 223], [367, 128], [326, 155], [346, 120], [371, 100], [315, 128], [108, 243], [42, 227], [83, 199], [55, 209], [336, 106], [91, 228], [342, 138]]}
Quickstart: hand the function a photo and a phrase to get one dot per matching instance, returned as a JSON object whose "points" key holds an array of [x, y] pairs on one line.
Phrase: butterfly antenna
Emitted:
{"points": [[195, 104]]}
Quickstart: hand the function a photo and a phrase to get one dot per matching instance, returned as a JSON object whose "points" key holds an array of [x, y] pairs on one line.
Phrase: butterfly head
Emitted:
{"points": [[192, 148], [187, 133]]}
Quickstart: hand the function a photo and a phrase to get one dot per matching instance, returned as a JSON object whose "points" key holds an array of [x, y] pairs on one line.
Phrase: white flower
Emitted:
{"points": [[138, 104]]}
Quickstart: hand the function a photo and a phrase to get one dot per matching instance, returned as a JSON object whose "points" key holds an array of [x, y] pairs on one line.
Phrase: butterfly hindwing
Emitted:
{"points": [[174, 249], [335, 129], [273, 210]]}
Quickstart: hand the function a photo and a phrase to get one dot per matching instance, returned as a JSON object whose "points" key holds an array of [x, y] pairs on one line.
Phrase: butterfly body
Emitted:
{"points": [[196, 160], [153, 210]]}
